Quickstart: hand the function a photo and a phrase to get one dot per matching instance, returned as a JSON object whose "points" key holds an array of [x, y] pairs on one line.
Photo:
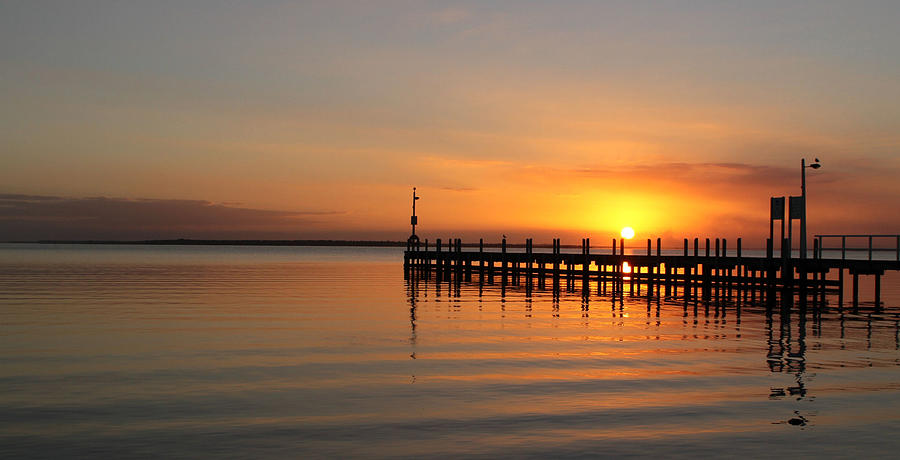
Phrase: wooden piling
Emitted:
{"points": [[503, 262], [586, 266], [877, 290], [840, 286]]}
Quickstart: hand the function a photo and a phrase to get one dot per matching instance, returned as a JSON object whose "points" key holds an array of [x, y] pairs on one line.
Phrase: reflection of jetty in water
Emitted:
{"points": [[708, 275], [785, 331], [787, 325]]}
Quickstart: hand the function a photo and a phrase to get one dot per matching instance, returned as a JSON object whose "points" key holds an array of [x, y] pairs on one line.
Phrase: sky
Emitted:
{"points": [[314, 120]]}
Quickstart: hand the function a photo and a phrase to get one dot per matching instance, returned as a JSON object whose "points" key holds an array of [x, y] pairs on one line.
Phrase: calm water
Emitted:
{"points": [[186, 352]]}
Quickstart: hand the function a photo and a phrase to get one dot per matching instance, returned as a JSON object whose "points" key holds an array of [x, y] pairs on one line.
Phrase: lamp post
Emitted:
{"points": [[413, 220], [803, 167]]}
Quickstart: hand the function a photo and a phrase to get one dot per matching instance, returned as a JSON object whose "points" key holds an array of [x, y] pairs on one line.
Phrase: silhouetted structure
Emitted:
{"points": [[706, 275], [413, 239]]}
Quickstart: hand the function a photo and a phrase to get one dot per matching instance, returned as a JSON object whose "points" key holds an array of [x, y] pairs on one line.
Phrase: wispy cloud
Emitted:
{"points": [[34, 217]]}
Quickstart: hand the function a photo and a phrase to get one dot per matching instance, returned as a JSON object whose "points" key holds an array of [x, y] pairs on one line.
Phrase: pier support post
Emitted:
{"points": [[617, 282], [717, 273], [631, 280], [503, 262], [728, 270], [481, 261], [841, 286], [613, 280], [706, 277], [489, 259], [585, 267], [877, 290], [542, 273], [529, 262], [515, 270], [668, 280], [770, 270], [741, 272], [448, 271], [556, 266], [438, 262], [787, 270], [459, 261], [427, 262], [705, 287], [823, 286]]}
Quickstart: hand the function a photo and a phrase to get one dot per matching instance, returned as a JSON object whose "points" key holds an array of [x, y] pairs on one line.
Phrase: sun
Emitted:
{"points": [[628, 233]]}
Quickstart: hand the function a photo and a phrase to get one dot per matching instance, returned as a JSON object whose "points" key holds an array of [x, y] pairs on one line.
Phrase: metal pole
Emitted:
{"points": [[413, 220], [803, 216]]}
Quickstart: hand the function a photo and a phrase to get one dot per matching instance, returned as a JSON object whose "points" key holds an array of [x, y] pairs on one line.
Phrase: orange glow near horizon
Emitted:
{"points": [[499, 141]]}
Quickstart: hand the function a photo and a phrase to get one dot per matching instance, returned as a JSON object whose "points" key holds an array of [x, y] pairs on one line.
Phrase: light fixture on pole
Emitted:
{"points": [[413, 220], [803, 167]]}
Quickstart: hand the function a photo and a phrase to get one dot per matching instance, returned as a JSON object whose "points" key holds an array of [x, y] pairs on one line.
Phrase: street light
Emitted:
{"points": [[803, 167]]}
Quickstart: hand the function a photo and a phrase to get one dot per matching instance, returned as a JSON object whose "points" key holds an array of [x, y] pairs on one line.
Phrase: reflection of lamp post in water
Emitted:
{"points": [[803, 167], [413, 220]]}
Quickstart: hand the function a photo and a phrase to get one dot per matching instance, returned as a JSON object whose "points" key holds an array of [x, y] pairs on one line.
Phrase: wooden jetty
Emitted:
{"points": [[713, 271]]}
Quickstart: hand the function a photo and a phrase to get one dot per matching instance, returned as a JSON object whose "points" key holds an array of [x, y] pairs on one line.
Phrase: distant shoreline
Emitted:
{"points": [[346, 243], [192, 242]]}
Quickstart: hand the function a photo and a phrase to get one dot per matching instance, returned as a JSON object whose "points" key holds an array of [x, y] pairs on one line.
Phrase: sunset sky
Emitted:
{"points": [[281, 119]]}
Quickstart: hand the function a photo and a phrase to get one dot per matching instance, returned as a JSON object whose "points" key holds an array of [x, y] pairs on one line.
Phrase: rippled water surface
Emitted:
{"points": [[191, 351]]}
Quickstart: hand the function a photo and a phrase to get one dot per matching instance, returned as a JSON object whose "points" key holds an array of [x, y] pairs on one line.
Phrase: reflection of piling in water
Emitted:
{"points": [[786, 328], [715, 275]]}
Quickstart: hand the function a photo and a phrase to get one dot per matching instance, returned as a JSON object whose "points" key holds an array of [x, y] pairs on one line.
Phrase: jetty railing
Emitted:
{"points": [[870, 247]]}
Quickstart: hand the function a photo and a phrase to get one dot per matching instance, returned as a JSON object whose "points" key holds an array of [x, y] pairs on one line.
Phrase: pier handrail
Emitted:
{"points": [[870, 248]]}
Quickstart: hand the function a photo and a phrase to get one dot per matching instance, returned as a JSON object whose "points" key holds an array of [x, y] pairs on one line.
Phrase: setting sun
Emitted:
{"points": [[628, 233]]}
